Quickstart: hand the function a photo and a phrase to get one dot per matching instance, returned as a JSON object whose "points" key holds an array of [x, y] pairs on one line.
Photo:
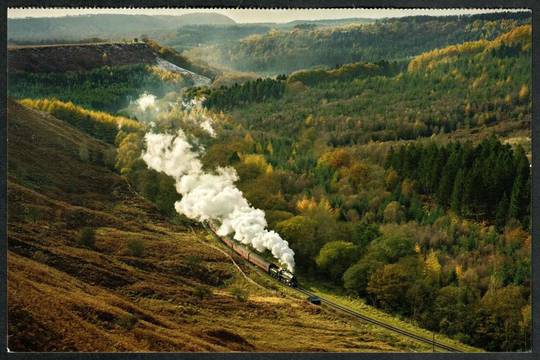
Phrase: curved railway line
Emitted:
{"points": [[242, 252], [379, 323]]}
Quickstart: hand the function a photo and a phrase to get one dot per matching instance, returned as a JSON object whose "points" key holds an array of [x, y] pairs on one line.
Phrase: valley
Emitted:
{"points": [[395, 169], [176, 293]]}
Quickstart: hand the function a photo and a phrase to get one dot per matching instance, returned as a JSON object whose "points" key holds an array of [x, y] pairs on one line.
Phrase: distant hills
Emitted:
{"points": [[286, 50], [328, 22], [113, 26], [193, 29], [193, 36]]}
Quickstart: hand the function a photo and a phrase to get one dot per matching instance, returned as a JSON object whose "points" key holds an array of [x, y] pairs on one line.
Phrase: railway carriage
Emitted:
{"points": [[275, 271]]}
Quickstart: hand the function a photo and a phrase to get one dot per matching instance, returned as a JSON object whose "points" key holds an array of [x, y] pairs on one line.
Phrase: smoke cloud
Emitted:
{"points": [[213, 195], [151, 110], [146, 101]]}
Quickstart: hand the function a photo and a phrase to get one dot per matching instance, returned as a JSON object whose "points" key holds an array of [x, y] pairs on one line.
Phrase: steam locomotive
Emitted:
{"points": [[275, 271]]}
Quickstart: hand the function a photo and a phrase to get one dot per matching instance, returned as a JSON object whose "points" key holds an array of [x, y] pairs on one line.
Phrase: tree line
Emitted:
{"points": [[358, 103], [248, 92], [106, 88], [489, 181], [98, 124], [283, 51]]}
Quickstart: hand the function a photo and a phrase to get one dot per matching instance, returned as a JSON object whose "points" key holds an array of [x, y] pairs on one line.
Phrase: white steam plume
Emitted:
{"points": [[147, 109], [197, 114], [146, 101], [213, 196]]}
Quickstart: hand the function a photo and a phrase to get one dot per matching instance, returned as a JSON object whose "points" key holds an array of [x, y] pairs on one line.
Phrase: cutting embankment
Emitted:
{"points": [[143, 283]]}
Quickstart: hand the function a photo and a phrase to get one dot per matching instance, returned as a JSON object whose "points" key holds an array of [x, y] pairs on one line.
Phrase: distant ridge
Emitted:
{"points": [[106, 26], [329, 22]]}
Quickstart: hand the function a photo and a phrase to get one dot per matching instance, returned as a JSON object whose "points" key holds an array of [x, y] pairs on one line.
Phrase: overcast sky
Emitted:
{"points": [[249, 16]]}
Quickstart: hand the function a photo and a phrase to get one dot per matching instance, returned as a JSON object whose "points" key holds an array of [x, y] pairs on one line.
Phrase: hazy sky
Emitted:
{"points": [[247, 16]]}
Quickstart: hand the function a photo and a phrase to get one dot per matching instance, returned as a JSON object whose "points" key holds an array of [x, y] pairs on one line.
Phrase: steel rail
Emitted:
{"points": [[380, 323], [365, 318]]}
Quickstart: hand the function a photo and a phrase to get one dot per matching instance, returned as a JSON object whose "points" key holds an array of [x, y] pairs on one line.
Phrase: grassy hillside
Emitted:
{"points": [[80, 57], [97, 124], [145, 283]]}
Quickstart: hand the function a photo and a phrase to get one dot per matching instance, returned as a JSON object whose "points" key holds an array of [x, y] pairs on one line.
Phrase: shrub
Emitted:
{"points": [[84, 155], [40, 256], [109, 158], [135, 247], [87, 237], [202, 292], [240, 294], [33, 214], [127, 321]]}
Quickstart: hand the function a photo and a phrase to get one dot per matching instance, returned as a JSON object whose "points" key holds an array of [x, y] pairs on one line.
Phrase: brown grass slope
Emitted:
{"points": [[179, 295], [78, 57]]}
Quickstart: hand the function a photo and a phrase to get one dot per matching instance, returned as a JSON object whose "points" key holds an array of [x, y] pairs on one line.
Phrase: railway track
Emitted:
{"points": [[379, 323], [356, 315]]}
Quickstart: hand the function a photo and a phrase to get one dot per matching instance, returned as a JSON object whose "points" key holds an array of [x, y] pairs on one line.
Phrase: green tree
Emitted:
{"points": [[451, 311], [388, 287], [335, 257], [301, 232], [393, 212], [498, 319], [87, 237], [364, 233], [516, 199], [502, 211], [457, 192], [396, 242], [356, 278]]}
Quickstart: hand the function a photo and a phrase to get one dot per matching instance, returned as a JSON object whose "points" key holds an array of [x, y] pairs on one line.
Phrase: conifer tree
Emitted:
{"points": [[502, 211], [515, 199], [457, 193]]}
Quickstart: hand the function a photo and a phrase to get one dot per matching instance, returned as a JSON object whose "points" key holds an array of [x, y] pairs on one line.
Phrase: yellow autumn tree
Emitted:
{"points": [[523, 93], [311, 206], [258, 161], [433, 266], [336, 158]]}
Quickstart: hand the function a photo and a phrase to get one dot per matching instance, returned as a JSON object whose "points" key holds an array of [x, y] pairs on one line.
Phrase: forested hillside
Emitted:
{"points": [[435, 230], [476, 84], [191, 36], [117, 86], [398, 169], [282, 51], [98, 76], [95, 267]]}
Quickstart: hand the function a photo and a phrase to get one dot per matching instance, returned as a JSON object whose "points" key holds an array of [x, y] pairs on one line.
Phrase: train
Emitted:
{"points": [[277, 272]]}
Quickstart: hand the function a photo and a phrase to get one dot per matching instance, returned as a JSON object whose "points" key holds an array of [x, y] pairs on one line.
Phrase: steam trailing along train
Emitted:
{"points": [[275, 271]]}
